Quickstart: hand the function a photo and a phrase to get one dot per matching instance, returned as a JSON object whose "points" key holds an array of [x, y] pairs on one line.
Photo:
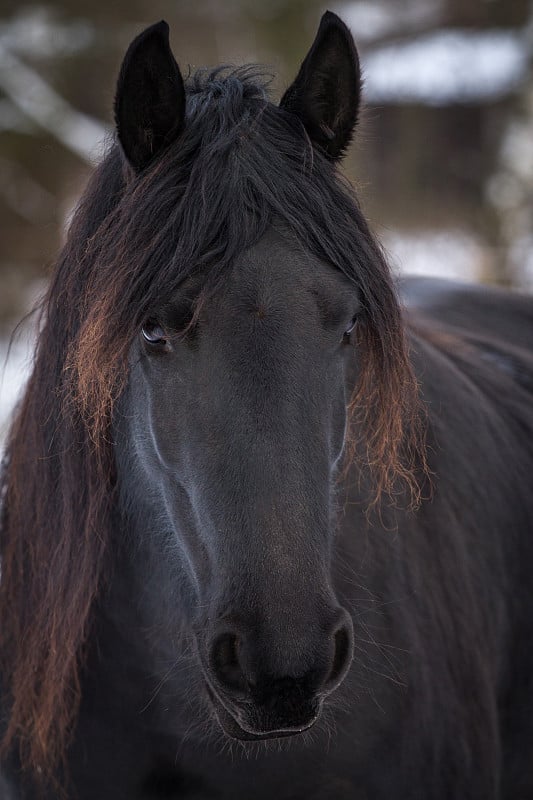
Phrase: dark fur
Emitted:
{"points": [[239, 237]]}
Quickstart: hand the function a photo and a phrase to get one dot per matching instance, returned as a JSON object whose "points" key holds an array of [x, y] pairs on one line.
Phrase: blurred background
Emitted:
{"points": [[443, 159]]}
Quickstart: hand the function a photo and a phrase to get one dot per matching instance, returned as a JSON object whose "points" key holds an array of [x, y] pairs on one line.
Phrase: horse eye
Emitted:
{"points": [[153, 333], [349, 330]]}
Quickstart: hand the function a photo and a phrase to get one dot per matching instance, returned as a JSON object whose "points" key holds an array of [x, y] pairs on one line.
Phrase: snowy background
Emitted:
{"points": [[443, 160]]}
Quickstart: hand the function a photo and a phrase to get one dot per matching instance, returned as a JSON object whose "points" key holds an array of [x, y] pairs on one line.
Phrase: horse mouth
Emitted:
{"points": [[235, 729]]}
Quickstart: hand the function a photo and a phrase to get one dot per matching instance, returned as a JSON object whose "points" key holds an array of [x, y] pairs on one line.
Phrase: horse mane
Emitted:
{"points": [[240, 164]]}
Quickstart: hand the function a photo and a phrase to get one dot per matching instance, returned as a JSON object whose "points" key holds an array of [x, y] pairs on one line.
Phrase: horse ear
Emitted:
{"points": [[327, 90], [150, 97]]}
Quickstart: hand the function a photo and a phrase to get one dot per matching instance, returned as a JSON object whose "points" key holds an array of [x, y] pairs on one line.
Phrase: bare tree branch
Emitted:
{"points": [[78, 132]]}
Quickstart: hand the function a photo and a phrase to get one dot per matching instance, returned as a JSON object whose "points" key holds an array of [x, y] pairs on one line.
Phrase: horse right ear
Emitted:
{"points": [[327, 91], [150, 97]]}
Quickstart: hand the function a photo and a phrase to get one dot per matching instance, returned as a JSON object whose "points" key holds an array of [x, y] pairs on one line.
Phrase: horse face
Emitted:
{"points": [[242, 428]]}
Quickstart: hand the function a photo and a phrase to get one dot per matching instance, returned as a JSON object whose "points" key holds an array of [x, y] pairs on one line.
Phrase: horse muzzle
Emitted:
{"points": [[257, 696], [255, 723]]}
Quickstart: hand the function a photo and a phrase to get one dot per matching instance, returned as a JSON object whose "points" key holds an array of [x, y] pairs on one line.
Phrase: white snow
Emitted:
{"points": [[446, 66], [34, 32], [371, 19], [449, 254], [15, 363]]}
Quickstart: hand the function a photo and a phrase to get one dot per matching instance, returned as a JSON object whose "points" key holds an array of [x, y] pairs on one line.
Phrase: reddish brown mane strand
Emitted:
{"points": [[387, 429], [52, 580], [57, 493]]}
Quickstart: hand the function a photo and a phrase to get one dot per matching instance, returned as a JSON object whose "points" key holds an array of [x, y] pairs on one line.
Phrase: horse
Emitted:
{"points": [[266, 514]]}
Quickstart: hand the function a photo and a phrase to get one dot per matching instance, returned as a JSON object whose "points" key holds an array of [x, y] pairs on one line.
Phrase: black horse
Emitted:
{"points": [[264, 534]]}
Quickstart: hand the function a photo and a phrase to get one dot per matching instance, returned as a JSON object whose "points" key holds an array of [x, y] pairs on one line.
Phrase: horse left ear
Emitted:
{"points": [[327, 90], [150, 98]]}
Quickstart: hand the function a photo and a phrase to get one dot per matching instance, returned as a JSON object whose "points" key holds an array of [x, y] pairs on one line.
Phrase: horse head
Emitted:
{"points": [[236, 411]]}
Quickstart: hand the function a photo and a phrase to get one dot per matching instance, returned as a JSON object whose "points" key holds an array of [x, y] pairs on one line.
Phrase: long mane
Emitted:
{"points": [[240, 164]]}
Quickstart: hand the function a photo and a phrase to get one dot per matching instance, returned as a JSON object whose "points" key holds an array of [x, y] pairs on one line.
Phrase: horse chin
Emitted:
{"points": [[235, 729]]}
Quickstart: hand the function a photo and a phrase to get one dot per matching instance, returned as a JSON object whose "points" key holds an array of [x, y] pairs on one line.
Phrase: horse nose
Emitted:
{"points": [[243, 664], [225, 663]]}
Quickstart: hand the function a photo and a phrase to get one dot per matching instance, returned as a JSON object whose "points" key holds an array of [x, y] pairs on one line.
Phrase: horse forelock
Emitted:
{"points": [[240, 164]]}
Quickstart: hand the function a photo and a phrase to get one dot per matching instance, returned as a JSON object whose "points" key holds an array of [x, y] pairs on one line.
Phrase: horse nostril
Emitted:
{"points": [[224, 662], [343, 649]]}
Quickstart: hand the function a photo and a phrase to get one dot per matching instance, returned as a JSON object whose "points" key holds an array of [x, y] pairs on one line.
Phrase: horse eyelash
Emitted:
{"points": [[346, 336]]}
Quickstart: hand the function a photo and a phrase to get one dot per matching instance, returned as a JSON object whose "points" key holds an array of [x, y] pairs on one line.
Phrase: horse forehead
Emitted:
{"points": [[274, 271]]}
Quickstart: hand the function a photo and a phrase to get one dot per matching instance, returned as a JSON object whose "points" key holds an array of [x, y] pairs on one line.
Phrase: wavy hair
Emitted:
{"points": [[239, 165]]}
